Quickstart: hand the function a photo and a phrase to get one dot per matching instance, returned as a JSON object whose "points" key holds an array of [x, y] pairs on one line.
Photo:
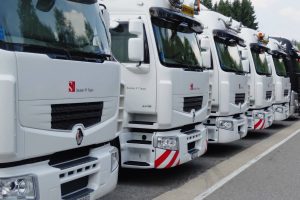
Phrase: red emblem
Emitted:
{"points": [[72, 86], [192, 86]]}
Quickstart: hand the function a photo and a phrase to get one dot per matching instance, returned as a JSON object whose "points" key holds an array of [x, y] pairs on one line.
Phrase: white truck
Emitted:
{"points": [[292, 64], [281, 104], [228, 121], [167, 91], [59, 91], [260, 114]]}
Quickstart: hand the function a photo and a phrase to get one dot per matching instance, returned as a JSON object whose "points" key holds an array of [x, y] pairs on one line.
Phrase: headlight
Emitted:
{"points": [[228, 125], [170, 143], [260, 116], [279, 109], [114, 159], [23, 187]]}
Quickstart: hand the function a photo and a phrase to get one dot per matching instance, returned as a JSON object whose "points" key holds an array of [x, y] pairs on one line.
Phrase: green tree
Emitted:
{"points": [[224, 7], [207, 3], [236, 10], [240, 10], [215, 7], [247, 16]]}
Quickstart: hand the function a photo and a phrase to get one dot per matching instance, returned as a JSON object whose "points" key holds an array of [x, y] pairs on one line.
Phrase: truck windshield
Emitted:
{"points": [[279, 66], [177, 45], [49, 25], [229, 56], [260, 62]]}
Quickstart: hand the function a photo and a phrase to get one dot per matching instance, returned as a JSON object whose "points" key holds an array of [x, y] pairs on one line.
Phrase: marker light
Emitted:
{"points": [[263, 38], [114, 159]]}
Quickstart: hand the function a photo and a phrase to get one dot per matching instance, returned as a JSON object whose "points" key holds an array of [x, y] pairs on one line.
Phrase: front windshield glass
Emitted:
{"points": [[177, 45], [260, 62], [62, 24], [229, 56], [279, 66]]}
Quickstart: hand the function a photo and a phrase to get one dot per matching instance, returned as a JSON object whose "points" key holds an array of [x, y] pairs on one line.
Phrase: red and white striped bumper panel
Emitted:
{"points": [[167, 159]]}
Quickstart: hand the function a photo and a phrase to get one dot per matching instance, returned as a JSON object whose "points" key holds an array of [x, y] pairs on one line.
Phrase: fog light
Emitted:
{"points": [[114, 159], [224, 124], [170, 143], [23, 187]]}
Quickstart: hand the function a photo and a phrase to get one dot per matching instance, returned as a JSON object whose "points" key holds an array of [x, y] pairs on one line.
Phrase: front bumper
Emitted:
{"points": [[51, 179], [192, 144], [256, 123], [219, 135], [281, 112], [294, 105]]}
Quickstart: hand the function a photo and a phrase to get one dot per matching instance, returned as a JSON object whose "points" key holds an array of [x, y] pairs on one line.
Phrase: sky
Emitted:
{"points": [[279, 18]]}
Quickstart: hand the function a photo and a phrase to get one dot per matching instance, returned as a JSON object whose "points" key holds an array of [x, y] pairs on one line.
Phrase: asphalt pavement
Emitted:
{"points": [[147, 184], [275, 177]]}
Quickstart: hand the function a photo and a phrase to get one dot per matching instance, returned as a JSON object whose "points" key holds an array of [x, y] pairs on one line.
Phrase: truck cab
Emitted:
{"points": [[229, 78], [166, 88], [281, 81], [59, 91], [260, 114], [292, 64]]}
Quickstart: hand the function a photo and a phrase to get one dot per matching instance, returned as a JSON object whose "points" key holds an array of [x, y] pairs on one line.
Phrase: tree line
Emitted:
{"points": [[240, 10]]}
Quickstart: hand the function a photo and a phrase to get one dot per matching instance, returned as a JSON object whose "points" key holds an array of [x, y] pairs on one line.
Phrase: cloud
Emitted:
{"points": [[291, 13]]}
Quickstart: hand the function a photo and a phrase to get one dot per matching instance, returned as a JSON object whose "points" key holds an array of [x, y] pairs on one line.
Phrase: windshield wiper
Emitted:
{"points": [[190, 67], [235, 71], [89, 56]]}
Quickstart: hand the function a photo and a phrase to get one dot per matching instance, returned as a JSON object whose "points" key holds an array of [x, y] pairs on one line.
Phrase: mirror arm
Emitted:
{"points": [[139, 64]]}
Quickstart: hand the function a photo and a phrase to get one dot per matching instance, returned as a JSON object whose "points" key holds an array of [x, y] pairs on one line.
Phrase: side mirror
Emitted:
{"points": [[246, 66], [135, 49], [105, 15], [136, 45], [244, 54], [205, 52], [245, 60], [113, 24]]}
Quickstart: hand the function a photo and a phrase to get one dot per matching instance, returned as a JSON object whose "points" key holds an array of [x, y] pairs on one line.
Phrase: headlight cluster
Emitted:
{"points": [[170, 143], [23, 187], [279, 109], [114, 159], [227, 125], [260, 116]]}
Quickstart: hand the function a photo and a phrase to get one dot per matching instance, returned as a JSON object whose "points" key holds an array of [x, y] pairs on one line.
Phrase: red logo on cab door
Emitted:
{"points": [[72, 86]]}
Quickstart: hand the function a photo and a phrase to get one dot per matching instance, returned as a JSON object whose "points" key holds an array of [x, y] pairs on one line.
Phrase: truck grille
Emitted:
{"points": [[240, 98], [286, 93], [65, 116], [268, 95], [190, 103]]}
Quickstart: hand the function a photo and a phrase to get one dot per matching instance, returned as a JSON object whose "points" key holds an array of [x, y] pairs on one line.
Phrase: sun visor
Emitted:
{"points": [[176, 17], [227, 36]]}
